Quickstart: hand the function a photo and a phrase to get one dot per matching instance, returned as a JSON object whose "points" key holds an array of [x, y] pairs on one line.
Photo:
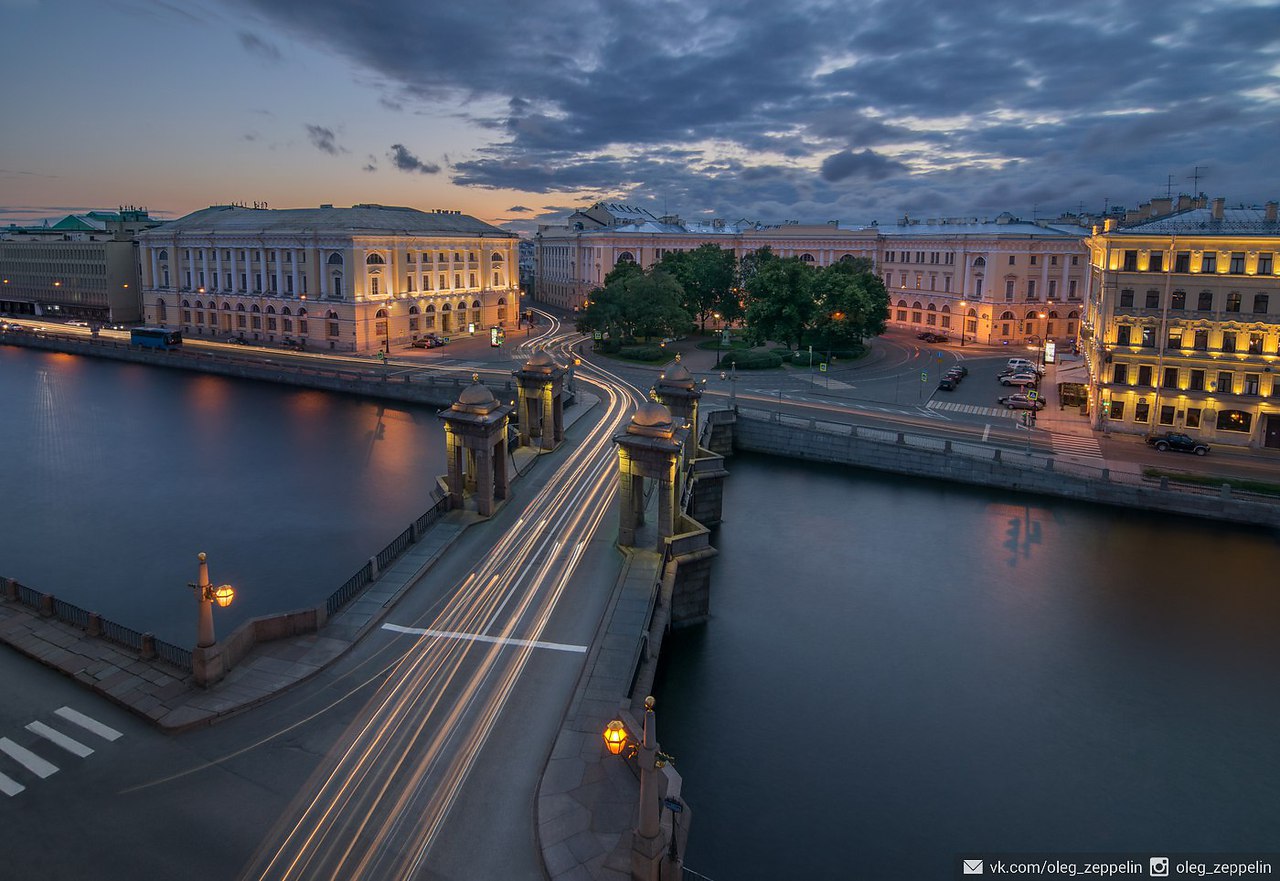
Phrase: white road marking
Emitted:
{"points": [[27, 758], [54, 736], [90, 724], [9, 786], [986, 432], [476, 637]]}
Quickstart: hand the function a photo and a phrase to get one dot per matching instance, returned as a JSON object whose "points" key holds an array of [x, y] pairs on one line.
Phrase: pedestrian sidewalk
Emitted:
{"points": [[169, 696]]}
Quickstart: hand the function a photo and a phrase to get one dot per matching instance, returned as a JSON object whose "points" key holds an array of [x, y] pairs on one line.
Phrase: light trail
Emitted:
{"points": [[381, 797]]}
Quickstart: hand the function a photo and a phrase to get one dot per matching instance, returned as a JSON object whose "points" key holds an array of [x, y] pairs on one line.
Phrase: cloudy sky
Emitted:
{"points": [[855, 110]]}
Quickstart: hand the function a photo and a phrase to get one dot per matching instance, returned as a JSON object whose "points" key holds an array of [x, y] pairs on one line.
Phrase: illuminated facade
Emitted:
{"points": [[1183, 324], [346, 279]]}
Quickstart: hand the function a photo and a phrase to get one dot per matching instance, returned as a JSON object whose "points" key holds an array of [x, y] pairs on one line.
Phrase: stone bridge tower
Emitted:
{"points": [[652, 448], [541, 398], [678, 391], [475, 429]]}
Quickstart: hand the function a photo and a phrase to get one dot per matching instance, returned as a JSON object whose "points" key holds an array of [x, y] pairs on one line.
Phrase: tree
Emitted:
{"points": [[635, 303], [780, 298], [707, 274], [851, 303]]}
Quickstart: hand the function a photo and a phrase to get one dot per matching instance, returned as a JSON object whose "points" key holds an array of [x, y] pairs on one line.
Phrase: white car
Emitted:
{"points": [[77, 323], [1020, 379]]}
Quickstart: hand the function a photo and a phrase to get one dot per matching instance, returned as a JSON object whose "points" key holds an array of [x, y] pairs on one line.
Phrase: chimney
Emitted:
{"points": [[1160, 207], [1271, 212], [1109, 224], [1217, 208], [1185, 202]]}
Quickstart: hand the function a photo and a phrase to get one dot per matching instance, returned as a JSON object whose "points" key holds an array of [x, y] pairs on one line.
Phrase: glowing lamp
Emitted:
{"points": [[615, 737], [224, 595]]}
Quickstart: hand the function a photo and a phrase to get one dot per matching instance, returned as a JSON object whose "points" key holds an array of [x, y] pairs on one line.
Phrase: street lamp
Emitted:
{"points": [[964, 319], [615, 737], [207, 595]]}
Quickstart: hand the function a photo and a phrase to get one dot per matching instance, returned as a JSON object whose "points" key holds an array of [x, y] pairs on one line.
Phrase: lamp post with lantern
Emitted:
{"points": [[207, 659], [964, 319]]}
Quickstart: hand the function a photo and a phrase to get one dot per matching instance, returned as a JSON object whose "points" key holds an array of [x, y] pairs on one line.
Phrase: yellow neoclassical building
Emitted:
{"points": [[1182, 325], [345, 279]]}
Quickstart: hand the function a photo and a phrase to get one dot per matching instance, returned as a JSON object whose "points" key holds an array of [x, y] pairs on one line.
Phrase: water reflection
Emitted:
{"points": [[116, 475], [914, 670]]}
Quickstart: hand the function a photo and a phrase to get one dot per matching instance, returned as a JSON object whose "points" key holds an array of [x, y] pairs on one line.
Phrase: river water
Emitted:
{"points": [[114, 476], [898, 672]]}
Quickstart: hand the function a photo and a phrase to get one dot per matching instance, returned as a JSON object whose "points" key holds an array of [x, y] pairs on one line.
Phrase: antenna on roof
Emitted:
{"points": [[1168, 187], [1194, 177]]}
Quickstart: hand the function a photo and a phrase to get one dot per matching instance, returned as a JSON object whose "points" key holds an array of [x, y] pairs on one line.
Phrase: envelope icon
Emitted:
{"points": [[973, 867]]}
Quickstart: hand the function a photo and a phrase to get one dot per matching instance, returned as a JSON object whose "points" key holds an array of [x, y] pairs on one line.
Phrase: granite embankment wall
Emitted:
{"points": [[414, 386], [923, 456]]}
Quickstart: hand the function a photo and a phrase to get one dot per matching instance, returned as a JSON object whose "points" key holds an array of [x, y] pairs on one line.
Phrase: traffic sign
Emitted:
{"points": [[1033, 395], [822, 367], [924, 375]]}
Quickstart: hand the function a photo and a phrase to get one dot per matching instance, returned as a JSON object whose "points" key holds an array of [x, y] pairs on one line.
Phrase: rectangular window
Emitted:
{"points": [[1053, 261], [1155, 263], [1033, 259], [186, 316], [256, 321], [302, 326], [1193, 417], [240, 321], [1117, 410], [1209, 262], [1075, 261], [1224, 383], [1228, 341], [271, 322], [1126, 297], [1053, 288], [1251, 383], [1008, 289], [1130, 261], [275, 281], [411, 287], [1205, 301], [946, 283], [1264, 264], [1166, 414], [1255, 344], [1120, 374], [1182, 261], [1233, 301], [1010, 259], [288, 284], [1144, 374], [1178, 300], [1196, 381], [1237, 263], [1153, 299], [244, 282], [302, 280], [1170, 378], [286, 324], [1123, 333], [257, 282], [1071, 289], [1142, 412], [1261, 304], [978, 288], [1149, 337], [1031, 289], [471, 277], [1175, 338], [413, 322]]}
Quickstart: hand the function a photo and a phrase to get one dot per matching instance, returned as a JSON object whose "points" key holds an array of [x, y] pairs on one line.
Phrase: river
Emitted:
{"points": [[898, 672], [115, 475]]}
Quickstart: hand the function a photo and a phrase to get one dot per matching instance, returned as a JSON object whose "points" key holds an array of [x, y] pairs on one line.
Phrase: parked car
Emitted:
{"points": [[958, 368], [290, 343], [1020, 379], [1180, 442], [947, 384], [1021, 402], [956, 373], [421, 344], [930, 337]]}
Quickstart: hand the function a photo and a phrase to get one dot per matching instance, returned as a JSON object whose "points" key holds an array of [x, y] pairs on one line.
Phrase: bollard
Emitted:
{"points": [[946, 447], [996, 457], [1106, 474], [373, 566], [1226, 490], [148, 649], [46, 605], [902, 437], [94, 627], [1048, 464], [1164, 483]]}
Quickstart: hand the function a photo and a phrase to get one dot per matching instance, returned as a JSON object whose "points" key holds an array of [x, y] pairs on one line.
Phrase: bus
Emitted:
{"points": [[155, 338]]}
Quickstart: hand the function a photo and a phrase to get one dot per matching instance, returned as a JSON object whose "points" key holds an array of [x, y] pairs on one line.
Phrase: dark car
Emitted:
{"points": [[958, 368], [947, 384], [290, 343], [1180, 442], [1021, 402]]}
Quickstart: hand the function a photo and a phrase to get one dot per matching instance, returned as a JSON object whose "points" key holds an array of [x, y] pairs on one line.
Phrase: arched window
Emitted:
{"points": [[226, 307], [445, 308], [462, 306], [495, 258], [1032, 315], [374, 260], [1006, 316], [240, 307], [475, 304], [199, 305], [806, 258], [335, 259], [979, 262], [413, 310], [846, 258], [627, 256], [254, 308], [163, 255], [429, 318], [916, 315], [186, 305]]}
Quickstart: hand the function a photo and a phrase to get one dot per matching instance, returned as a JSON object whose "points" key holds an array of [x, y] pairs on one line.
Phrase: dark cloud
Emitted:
{"points": [[372, 164], [323, 139], [255, 45], [402, 159], [859, 107], [518, 209]]}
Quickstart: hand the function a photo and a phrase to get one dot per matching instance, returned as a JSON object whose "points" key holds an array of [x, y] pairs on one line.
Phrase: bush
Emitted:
{"points": [[644, 353], [751, 360]]}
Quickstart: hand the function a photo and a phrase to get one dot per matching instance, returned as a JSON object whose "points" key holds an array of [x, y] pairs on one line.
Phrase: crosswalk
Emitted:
{"points": [[71, 738], [976, 410], [1080, 447]]}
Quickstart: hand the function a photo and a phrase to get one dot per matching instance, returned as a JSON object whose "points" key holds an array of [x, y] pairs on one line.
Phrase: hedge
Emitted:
{"points": [[751, 360]]}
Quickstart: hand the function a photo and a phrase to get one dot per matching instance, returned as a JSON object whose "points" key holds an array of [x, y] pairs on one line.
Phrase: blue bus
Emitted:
{"points": [[155, 338]]}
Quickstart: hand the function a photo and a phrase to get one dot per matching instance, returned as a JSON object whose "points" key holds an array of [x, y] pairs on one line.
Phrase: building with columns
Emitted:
{"points": [[1015, 281], [345, 279], [1182, 325]]}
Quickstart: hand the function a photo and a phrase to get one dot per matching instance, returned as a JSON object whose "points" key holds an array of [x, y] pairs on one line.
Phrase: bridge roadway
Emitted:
{"points": [[412, 756]]}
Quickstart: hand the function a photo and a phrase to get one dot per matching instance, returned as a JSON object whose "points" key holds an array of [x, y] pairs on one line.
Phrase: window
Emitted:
{"points": [[1178, 300], [1126, 297], [337, 286], [411, 284], [1170, 379], [1251, 383], [257, 282], [1053, 288], [274, 283], [1033, 259], [1264, 264], [1153, 299], [1166, 414], [1008, 289], [1117, 410], [1144, 374], [1142, 412], [1071, 289], [1233, 301], [979, 262], [1149, 337], [1130, 261], [373, 286], [1031, 289], [1123, 333], [1155, 263], [1205, 301], [1234, 420], [1075, 261], [1120, 374], [1228, 341], [1010, 259], [1260, 304], [1196, 381], [1182, 261], [1209, 262], [471, 278], [374, 260], [1237, 263], [1175, 338], [1193, 417], [1224, 384], [1201, 340], [335, 259], [1053, 261], [1255, 344], [457, 280]]}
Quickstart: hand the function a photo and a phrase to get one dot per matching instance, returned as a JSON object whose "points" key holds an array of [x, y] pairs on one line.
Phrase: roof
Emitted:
{"points": [[1012, 228], [1200, 222], [377, 219]]}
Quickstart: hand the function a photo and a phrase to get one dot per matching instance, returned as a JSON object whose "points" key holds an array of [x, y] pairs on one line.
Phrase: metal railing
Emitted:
{"points": [[343, 595], [396, 548]]}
